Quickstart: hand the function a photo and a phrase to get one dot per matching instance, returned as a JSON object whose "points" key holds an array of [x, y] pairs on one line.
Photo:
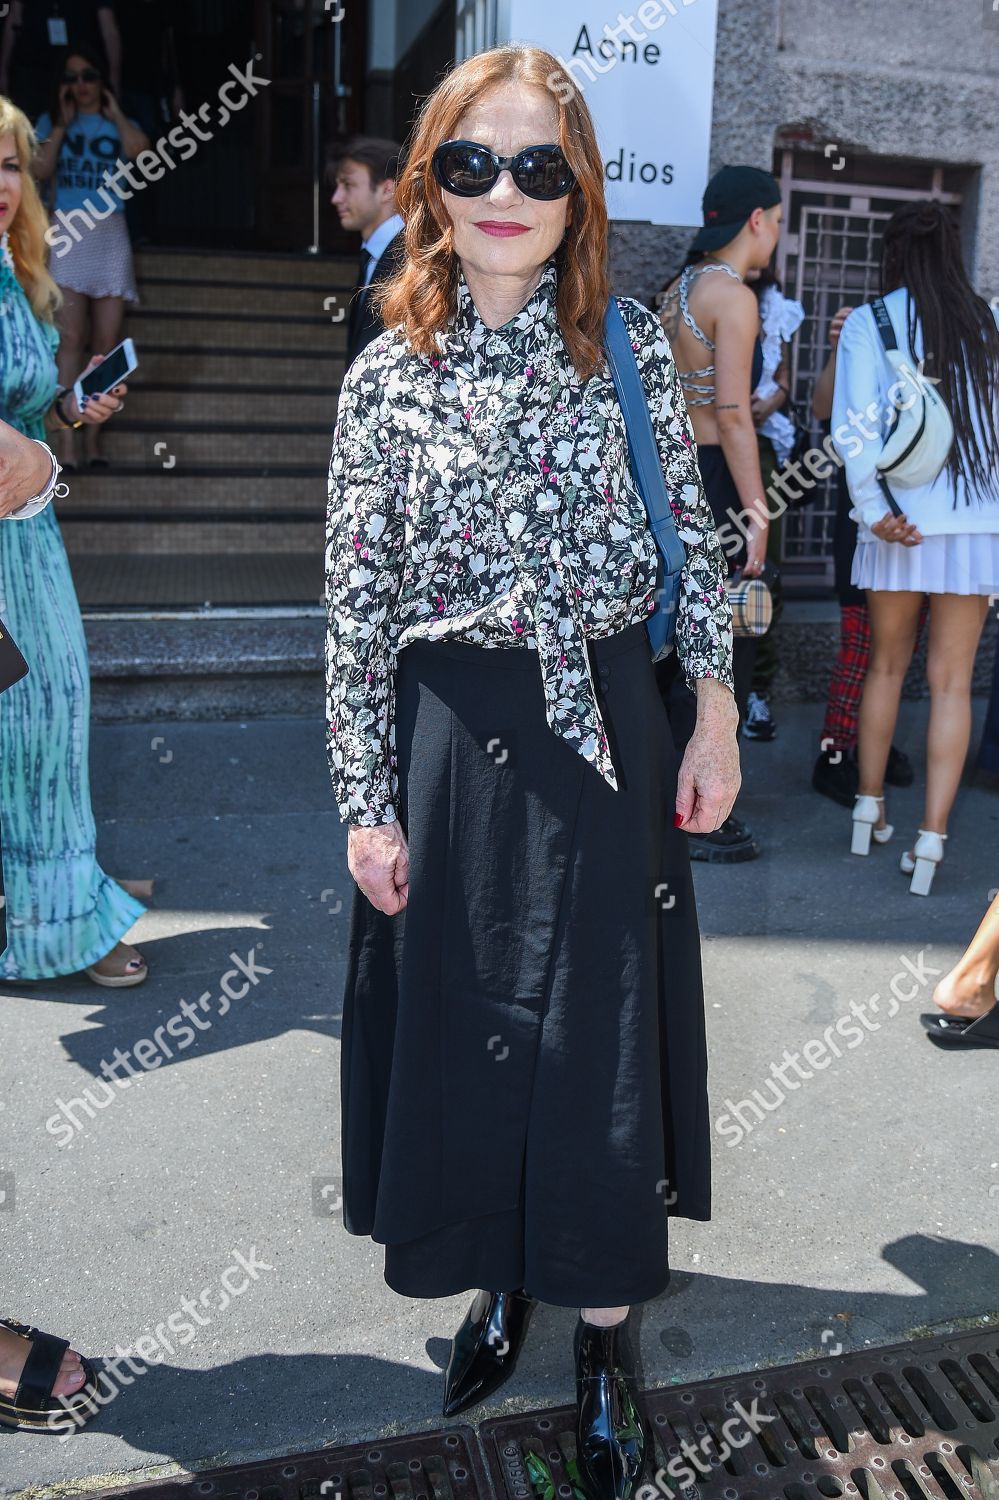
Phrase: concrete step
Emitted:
{"points": [[248, 444], [227, 402], [187, 330], [225, 537], [124, 491], [264, 666], [230, 266], [324, 300], [210, 667], [210, 364]]}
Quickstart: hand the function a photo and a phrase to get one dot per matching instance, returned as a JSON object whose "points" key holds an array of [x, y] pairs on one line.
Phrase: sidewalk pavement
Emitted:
{"points": [[863, 1208]]}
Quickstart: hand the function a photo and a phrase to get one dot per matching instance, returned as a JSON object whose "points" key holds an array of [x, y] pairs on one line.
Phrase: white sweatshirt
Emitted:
{"points": [[864, 378]]}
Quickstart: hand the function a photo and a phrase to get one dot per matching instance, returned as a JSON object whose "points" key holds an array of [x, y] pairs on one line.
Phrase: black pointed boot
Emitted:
{"points": [[484, 1350], [611, 1436]]}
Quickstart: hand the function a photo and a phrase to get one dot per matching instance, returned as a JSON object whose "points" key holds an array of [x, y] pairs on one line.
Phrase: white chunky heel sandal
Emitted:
{"points": [[866, 812], [922, 863]]}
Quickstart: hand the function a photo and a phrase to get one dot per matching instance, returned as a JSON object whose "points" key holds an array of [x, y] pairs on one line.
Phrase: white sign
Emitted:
{"points": [[647, 75]]}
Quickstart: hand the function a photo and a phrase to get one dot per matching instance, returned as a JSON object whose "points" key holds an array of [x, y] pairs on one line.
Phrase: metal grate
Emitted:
{"points": [[913, 1421], [435, 1466]]}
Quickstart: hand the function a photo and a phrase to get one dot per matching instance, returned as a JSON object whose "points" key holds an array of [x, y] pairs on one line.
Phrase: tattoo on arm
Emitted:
{"points": [[730, 406], [671, 323]]}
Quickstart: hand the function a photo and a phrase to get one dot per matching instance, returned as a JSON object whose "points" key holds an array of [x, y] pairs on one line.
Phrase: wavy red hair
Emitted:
{"points": [[422, 294]]}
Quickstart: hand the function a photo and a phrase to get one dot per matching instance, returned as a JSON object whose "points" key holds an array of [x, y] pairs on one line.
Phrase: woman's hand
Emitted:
{"points": [[110, 108], [67, 106], [378, 859], [24, 469], [97, 409], [836, 326], [763, 407], [756, 550], [892, 528], [709, 778]]}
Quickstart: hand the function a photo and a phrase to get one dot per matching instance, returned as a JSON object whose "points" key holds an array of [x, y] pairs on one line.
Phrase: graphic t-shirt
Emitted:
{"points": [[91, 149]]}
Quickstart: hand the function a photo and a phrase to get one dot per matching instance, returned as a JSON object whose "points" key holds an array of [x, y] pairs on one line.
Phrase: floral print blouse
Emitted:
{"points": [[485, 493]]}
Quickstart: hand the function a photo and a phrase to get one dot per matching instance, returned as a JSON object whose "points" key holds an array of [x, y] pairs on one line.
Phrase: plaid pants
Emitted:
{"points": [[839, 728]]}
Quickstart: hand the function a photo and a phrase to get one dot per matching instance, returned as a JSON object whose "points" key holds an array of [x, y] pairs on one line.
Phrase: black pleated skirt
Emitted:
{"points": [[523, 1060]]}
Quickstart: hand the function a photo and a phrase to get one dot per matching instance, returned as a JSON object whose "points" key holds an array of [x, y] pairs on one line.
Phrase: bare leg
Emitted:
{"points": [[894, 619], [108, 319], [956, 622], [70, 360], [970, 987], [604, 1317]]}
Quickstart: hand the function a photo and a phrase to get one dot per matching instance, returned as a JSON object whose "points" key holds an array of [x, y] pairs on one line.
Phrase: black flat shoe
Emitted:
{"points": [[963, 1031], [611, 1435], [484, 1350]]}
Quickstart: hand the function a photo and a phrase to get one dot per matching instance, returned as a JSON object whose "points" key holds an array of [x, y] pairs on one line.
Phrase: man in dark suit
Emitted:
{"points": [[363, 172]]}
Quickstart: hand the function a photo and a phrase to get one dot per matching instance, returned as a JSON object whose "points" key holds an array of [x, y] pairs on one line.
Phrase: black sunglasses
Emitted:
{"points": [[85, 75], [468, 170]]}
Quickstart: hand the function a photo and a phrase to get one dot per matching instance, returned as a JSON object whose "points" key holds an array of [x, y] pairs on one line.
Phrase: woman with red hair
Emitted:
{"points": [[523, 1060]]}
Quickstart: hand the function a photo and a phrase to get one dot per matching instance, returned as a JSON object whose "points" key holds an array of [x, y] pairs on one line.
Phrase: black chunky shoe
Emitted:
{"points": [[484, 1350], [611, 1435], [730, 844], [835, 776]]}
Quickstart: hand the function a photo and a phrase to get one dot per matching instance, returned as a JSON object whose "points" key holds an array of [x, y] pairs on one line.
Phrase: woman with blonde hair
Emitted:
{"points": [[64, 914], [523, 1061]]}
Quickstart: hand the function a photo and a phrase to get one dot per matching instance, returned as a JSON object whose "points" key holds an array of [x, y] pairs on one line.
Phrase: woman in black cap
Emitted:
{"points": [[712, 323]]}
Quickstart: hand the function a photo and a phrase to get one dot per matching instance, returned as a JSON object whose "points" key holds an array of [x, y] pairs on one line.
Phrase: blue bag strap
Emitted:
{"points": [[645, 461]]}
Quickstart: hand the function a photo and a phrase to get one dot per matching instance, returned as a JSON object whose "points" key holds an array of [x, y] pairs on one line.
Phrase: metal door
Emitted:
{"points": [[308, 50]]}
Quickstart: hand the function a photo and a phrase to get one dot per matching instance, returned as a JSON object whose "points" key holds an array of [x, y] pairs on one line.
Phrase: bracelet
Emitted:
{"points": [[62, 392], [38, 502]]}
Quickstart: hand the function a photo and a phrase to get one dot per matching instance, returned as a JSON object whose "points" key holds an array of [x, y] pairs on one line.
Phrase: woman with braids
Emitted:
{"points": [[946, 544]]}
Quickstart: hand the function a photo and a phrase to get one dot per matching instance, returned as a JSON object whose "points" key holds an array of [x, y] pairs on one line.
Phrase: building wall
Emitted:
{"points": [[914, 79]]}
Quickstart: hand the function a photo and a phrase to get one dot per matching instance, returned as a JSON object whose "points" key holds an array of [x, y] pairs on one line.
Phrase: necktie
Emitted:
{"points": [[357, 304]]}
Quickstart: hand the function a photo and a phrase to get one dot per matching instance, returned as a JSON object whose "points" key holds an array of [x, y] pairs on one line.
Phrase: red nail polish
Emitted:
{"points": [[677, 819]]}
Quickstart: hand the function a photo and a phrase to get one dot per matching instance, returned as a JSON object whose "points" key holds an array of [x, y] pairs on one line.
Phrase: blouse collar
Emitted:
{"points": [[525, 334]]}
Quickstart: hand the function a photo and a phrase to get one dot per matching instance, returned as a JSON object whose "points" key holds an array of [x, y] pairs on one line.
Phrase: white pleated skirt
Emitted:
{"points": [[954, 563]]}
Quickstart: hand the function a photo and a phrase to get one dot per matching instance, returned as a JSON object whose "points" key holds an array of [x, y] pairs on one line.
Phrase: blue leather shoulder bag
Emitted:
{"points": [[647, 469]]}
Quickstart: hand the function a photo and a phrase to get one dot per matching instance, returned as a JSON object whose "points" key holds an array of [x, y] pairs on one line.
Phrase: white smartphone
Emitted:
{"points": [[109, 373]]}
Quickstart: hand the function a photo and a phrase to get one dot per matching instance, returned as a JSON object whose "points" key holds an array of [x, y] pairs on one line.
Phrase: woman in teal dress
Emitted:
{"points": [[64, 914]]}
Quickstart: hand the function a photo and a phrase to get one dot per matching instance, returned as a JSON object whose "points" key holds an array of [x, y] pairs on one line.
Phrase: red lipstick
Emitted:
{"points": [[501, 228]]}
